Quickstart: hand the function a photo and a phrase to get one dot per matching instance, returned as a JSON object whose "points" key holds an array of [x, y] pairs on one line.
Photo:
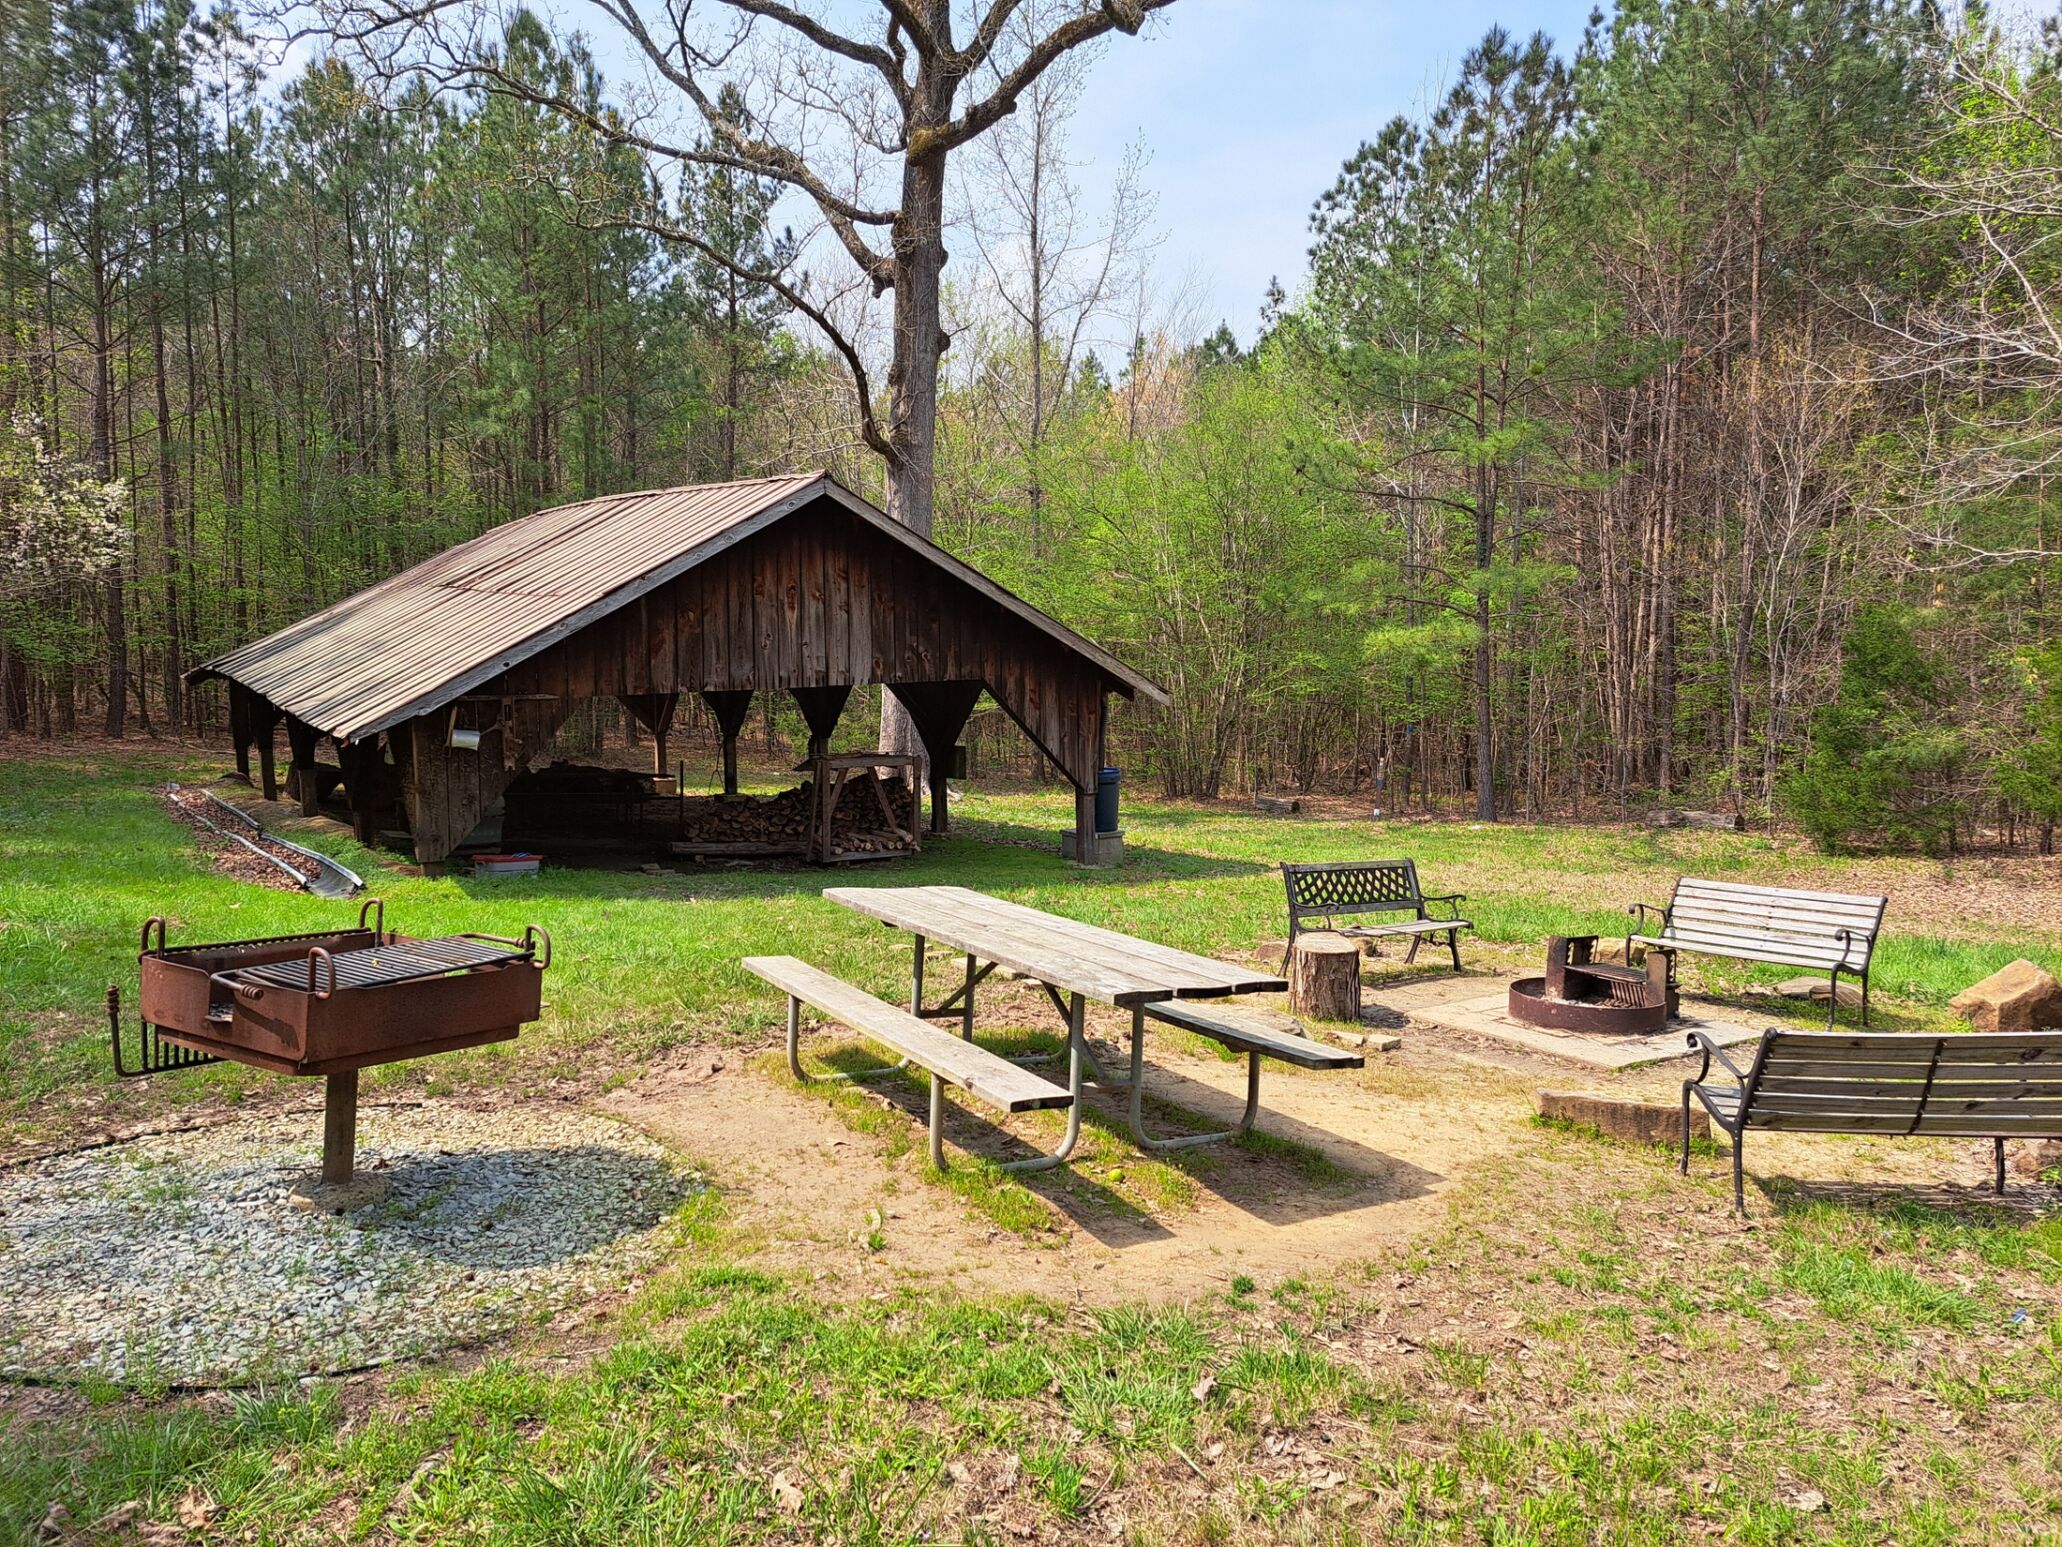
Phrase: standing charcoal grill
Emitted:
{"points": [[328, 1004]]}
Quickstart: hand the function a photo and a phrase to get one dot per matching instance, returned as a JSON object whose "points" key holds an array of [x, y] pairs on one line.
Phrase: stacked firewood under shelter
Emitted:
{"points": [[855, 806]]}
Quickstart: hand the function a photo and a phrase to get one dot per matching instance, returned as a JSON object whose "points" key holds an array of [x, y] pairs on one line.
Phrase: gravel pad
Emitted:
{"points": [[177, 1257]]}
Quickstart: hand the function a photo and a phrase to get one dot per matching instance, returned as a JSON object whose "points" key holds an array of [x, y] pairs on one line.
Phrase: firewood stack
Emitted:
{"points": [[777, 824]]}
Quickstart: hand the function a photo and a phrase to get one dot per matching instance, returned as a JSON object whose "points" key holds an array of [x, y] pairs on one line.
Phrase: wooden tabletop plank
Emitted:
{"points": [[1190, 974], [960, 911], [1036, 956], [1115, 968]]}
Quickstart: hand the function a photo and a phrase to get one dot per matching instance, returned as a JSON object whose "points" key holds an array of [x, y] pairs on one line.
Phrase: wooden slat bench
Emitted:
{"points": [[1995, 1085], [949, 1060], [1834, 932], [1254, 1042], [1358, 887]]}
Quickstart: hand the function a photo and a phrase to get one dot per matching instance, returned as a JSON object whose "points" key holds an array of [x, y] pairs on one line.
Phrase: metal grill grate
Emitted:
{"points": [[382, 964]]}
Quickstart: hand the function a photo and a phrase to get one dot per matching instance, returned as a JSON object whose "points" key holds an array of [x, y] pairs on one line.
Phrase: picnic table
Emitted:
{"points": [[1076, 963]]}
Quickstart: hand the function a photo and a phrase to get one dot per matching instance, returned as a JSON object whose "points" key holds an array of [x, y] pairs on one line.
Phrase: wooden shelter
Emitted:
{"points": [[440, 684]]}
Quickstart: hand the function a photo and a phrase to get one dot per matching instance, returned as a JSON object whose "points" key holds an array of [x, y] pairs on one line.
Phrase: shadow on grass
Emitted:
{"points": [[1284, 1173], [1908, 1205]]}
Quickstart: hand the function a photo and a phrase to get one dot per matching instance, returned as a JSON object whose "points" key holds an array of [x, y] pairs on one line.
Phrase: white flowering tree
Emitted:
{"points": [[59, 525], [61, 534]]}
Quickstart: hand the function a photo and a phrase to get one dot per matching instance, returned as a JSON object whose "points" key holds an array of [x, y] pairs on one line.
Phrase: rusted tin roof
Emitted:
{"points": [[419, 639]]}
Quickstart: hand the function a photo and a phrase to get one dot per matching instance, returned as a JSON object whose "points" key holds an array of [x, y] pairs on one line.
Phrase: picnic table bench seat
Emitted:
{"points": [[1358, 888], [1834, 932], [1255, 1042], [1983, 1085], [946, 1058]]}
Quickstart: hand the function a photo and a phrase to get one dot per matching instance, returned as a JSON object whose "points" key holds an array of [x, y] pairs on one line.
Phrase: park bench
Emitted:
{"points": [[1834, 932], [1357, 887], [1982, 1085], [1255, 1042], [948, 1059]]}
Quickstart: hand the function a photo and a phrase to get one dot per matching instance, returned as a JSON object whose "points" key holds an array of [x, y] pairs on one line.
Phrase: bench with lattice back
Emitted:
{"points": [[1358, 888], [1976, 1085], [1834, 932]]}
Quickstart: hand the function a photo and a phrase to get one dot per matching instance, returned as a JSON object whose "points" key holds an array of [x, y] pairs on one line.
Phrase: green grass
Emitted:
{"points": [[646, 963], [1585, 1351]]}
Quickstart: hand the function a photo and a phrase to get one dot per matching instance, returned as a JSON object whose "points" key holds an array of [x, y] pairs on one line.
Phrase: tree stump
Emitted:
{"points": [[1324, 977]]}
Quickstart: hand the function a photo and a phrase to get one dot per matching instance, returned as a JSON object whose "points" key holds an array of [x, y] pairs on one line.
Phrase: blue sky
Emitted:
{"points": [[1250, 106]]}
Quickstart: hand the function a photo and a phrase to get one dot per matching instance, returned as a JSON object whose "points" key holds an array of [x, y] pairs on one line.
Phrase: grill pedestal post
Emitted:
{"points": [[339, 1188], [339, 1127]]}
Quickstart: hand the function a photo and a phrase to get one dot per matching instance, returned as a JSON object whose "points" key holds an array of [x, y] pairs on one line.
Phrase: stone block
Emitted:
{"points": [[1109, 847], [2019, 997], [1616, 1117]]}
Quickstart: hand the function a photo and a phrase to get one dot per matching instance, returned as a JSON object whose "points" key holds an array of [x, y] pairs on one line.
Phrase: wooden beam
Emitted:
{"points": [[303, 739], [821, 708], [730, 708], [939, 711], [654, 711]]}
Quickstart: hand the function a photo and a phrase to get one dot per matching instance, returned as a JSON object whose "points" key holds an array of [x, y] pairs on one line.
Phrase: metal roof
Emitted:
{"points": [[419, 639]]}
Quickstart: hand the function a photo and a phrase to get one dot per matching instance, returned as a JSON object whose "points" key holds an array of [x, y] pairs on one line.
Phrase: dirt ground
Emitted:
{"points": [[806, 1190]]}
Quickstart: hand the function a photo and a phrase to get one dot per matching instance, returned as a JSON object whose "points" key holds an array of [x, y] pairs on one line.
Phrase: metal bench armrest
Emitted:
{"points": [[1710, 1049], [1453, 901], [1639, 911]]}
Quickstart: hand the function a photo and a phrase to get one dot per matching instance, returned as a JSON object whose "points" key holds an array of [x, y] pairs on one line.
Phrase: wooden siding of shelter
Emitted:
{"points": [[818, 600]]}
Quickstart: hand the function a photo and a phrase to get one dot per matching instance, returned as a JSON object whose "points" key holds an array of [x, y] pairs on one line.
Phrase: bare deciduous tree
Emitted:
{"points": [[860, 123]]}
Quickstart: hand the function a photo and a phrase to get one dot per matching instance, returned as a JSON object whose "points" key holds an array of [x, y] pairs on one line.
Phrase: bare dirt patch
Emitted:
{"points": [[809, 1193]]}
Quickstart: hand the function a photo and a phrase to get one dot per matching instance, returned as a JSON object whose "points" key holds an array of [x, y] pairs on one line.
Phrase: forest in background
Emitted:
{"points": [[1666, 417]]}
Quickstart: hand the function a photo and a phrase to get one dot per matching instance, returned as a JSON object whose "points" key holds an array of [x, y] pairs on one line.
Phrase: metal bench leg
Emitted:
{"points": [[802, 1077], [1685, 1166], [1865, 998], [1077, 1016], [1412, 954], [1739, 1172], [1833, 999], [1453, 944], [2000, 1153], [1184, 1141]]}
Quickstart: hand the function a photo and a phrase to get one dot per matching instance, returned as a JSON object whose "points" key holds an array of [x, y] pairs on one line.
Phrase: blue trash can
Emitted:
{"points": [[1106, 799]]}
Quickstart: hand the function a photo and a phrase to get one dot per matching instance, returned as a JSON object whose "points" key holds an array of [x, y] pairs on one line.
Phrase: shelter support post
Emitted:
{"points": [[364, 786], [654, 711], [730, 709], [302, 738], [821, 708], [1086, 851], [939, 710], [240, 727]]}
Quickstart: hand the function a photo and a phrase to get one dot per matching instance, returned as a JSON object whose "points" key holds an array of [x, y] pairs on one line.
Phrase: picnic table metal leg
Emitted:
{"points": [[1077, 1017], [916, 976], [802, 1077], [937, 1123], [1184, 1141], [966, 1011]]}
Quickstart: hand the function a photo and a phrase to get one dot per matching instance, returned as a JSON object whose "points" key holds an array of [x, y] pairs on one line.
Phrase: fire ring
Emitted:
{"points": [[1581, 995]]}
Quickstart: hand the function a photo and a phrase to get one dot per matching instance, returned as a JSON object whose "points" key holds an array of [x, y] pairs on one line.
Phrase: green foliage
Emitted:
{"points": [[1884, 760], [2030, 768]]}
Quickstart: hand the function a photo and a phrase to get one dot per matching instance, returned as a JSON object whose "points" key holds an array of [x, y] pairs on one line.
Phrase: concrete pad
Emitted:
{"points": [[1488, 1015]]}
